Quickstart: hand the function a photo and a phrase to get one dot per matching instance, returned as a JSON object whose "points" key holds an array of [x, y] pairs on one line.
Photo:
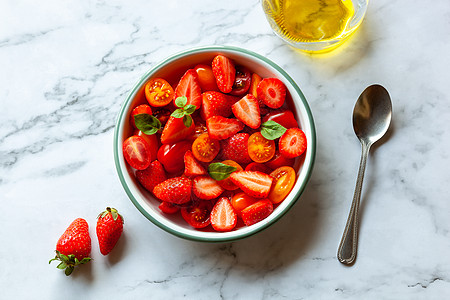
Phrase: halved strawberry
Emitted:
{"points": [[175, 190], [220, 128], [176, 131], [272, 92], [216, 104], [223, 216], [189, 86], [292, 143], [192, 167], [257, 212], [236, 148], [152, 176], [206, 188], [224, 72], [247, 110], [253, 183]]}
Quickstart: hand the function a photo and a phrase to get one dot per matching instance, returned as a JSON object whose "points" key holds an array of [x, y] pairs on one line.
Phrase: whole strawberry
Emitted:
{"points": [[74, 246], [109, 229]]}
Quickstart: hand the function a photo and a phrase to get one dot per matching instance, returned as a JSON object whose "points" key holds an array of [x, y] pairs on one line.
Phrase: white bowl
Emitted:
{"points": [[174, 67]]}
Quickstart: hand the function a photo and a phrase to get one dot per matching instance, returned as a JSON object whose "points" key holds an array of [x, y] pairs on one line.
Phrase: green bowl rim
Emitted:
{"points": [[311, 144]]}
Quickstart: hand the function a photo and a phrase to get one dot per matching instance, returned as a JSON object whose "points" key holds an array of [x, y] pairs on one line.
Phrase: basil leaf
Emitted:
{"points": [[187, 120], [146, 123], [220, 171], [189, 109], [181, 101], [271, 130], [178, 113]]}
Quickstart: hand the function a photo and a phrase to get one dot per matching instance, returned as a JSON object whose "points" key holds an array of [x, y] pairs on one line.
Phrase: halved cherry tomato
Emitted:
{"points": [[283, 117], [158, 92], [284, 180], [140, 109], [162, 114], [227, 183], [152, 141], [241, 81], [279, 160], [137, 152], [172, 156], [198, 214], [260, 149], [169, 207], [256, 79], [206, 78], [241, 201], [204, 148]]}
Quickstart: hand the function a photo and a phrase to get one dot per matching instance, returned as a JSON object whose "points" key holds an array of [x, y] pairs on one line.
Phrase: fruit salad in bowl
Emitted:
{"points": [[214, 144]]}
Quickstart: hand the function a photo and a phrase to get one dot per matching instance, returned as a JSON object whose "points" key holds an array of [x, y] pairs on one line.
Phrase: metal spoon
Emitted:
{"points": [[371, 119]]}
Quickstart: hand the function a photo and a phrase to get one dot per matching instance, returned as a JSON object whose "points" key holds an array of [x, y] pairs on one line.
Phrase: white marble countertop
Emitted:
{"points": [[67, 66]]}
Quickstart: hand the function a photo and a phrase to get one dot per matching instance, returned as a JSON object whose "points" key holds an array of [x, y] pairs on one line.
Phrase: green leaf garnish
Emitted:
{"points": [[178, 113], [189, 109], [147, 124], [181, 101], [184, 111], [271, 130], [187, 120], [220, 171]]}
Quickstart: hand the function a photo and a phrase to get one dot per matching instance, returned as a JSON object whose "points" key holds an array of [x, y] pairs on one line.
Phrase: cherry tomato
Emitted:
{"points": [[172, 156], [254, 166], [283, 117], [256, 79], [204, 148], [284, 180], [279, 160], [158, 92], [241, 82], [169, 207], [140, 109], [136, 152], [227, 183], [162, 115], [241, 201], [206, 78], [260, 149], [152, 141], [198, 214]]}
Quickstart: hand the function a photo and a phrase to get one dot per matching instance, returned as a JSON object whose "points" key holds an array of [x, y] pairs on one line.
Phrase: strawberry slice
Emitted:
{"points": [[206, 188], [223, 216], [236, 148], [224, 72], [189, 86], [152, 176], [216, 104], [175, 131], [192, 167], [272, 92], [253, 183], [175, 190], [257, 212], [247, 110], [221, 128], [293, 143]]}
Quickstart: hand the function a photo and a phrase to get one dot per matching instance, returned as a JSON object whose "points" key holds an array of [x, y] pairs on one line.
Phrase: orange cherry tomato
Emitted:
{"points": [[206, 78], [260, 149], [256, 79], [284, 180], [158, 92], [204, 148], [241, 200], [227, 183]]}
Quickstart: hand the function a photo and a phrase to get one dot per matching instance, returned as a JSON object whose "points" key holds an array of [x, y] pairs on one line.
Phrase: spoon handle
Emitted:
{"points": [[349, 242]]}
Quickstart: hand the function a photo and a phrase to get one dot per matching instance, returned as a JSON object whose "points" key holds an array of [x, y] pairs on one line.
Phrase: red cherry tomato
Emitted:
{"points": [[241, 201], [137, 152], [241, 82], [140, 109], [206, 78], [198, 214], [172, 156], [152, 141], [169, 207], [279, 160], [283, 117]]}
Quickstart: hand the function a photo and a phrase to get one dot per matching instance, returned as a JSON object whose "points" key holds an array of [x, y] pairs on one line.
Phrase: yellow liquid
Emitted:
{"points": [[310, 20]]}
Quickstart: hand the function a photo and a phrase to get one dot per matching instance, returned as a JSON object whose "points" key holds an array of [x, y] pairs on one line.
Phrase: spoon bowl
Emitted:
{"points": [[371, 119]]}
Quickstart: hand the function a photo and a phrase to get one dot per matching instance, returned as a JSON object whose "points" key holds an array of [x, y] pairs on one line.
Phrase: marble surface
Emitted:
{"points": [[65, 69]]}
